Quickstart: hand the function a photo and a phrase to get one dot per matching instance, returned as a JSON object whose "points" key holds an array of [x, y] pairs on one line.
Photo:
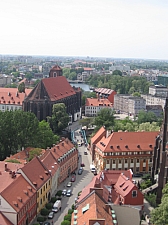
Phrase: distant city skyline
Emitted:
{"points": [[97, 28]]}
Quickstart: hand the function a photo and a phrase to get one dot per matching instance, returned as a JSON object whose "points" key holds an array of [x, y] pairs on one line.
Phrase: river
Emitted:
{"points": [[85, 87]]}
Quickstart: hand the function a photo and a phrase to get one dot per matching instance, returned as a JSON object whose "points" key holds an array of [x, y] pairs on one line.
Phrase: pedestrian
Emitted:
{"points": [[52, 222], [60, 208]]}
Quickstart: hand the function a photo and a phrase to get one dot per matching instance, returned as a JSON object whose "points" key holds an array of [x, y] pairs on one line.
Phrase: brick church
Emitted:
{"points": [[52, 90]]}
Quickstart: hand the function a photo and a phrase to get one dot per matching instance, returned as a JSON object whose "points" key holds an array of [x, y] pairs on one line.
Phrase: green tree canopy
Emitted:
{"points": [[59, 119], [117, 72], [105, 117], [144, 117], [159, 216], [21, 87]]}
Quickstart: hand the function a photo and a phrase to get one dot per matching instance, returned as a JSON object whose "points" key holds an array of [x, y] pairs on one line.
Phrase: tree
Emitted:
{"points": [[159, 216], [86, 121], [21, 87], [29, 76], [34, 152], [66, 222], [45, 136], [117, 72], [105, 117], [144, 117], [59, 119]]}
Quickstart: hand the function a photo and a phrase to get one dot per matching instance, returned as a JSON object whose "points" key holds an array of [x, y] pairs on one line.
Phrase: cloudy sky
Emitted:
{"points": [[103, 28]]}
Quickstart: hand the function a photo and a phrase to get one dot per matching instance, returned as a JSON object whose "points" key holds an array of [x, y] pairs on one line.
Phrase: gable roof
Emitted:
{"points": [[93, 208], [98, 134], [18, 193], [123, 185], [4, 220], [58, 87], [11, 96], [36, 172], [50, 162], [104, 91], [6, 169], [98, 102], [128, 141]]}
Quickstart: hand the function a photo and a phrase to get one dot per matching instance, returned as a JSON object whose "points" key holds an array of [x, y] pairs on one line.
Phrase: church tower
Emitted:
{"points": [[56, 71]]}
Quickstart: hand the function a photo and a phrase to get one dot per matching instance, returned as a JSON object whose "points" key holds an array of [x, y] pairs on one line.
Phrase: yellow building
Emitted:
{"points": [[37, 175]]}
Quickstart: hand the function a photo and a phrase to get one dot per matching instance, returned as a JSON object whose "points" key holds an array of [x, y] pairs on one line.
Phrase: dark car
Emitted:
{"points": [[80, 171], [82, 165], [73, 178], [46, 223], [95, 172], [85, 153]]}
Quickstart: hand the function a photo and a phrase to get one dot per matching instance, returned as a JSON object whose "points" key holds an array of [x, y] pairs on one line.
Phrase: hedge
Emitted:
{"points": [[67, 217]]}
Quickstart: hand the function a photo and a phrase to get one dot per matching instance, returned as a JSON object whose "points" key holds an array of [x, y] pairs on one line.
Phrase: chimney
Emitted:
{"points": [[6, 166], [13, 174], [54, 149], [58, 146], [62, 143]]}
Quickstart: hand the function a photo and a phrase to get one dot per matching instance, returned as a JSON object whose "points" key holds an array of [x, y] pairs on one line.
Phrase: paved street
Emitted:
{"points": [[78, 185]]}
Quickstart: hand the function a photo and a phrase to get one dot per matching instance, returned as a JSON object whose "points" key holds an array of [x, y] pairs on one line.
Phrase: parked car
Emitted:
{"points": [[76, 200], [95, 172], [46, 223], [82, 165], [69, 193], [80, 171], [64, 192], [51, 215], [73, 178], [56, 207], [69, 184], [85, 153]]}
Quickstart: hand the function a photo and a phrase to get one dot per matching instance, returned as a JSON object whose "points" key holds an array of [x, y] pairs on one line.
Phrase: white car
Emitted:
{"points": [[51, 215], [69, 184], [69, 193], [64, 192]]}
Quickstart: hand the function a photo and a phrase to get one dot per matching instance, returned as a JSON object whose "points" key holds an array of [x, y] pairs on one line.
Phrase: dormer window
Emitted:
{"points": [[55, 74]]}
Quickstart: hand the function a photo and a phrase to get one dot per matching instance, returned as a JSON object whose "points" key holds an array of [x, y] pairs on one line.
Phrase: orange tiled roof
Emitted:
{"points": [[4, 220], [97, 135], [96, 212], [23, 155], [88, 69], [61, 148], [5, 173], [18, 190], [58, 87], [56, 67], [34, 170], [98, 102], [50, 162], [128, 141], [11, 96]]}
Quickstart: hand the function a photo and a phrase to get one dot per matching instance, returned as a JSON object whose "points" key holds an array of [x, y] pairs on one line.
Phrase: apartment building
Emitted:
{"points": [[158, 91], [129, 104], [105, 93], [123, 150], [94, 105]]}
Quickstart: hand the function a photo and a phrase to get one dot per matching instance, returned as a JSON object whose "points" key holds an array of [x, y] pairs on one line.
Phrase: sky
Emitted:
{"points": [[95, 28]]}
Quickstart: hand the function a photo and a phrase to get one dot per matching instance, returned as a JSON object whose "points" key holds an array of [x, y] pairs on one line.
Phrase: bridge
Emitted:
{"points": [[75, 81], [151, 188]]}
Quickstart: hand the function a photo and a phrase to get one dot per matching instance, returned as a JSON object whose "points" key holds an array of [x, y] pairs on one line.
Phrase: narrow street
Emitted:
{"points": [[77, 186]]}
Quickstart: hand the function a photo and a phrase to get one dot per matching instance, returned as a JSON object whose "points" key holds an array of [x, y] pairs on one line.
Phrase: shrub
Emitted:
{"points": [[44, 212], [49, 206], [13, 161], [41, 219], [53, 199], [66, 222], [73, 207], [67, 217], [35, 223], [70, 211], [151, 198], [79, 193], [59, 193]]}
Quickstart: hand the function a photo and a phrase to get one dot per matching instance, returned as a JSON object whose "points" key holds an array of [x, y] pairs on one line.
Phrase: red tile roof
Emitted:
{"points": [[96, 212], [19, 192], [58, 87], [55, 68], [128, 141], [34, 170], [5, 174], [103, 91], [97, 135], [50, 162], [11, 96], [98, 102], [23, 155], [4, 220]]}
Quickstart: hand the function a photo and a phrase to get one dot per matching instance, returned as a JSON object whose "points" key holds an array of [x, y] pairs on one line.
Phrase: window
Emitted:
{"points": [[144, 168], [119, 161], [41, 191], [41, 201], [150, 159], [114, 161], [144, 160], [107, 161], [137, 160], [132, 160], [134, 194], [125, 160]]}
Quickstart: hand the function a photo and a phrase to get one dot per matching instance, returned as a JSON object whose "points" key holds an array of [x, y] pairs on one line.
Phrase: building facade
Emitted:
{"points": [[105, 93], [124, 150], [158, 91], [94, 105], [129, 104], [53, 90]]}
